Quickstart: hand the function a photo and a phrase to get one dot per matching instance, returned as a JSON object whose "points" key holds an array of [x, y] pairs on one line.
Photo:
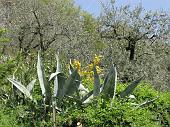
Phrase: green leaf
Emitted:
{"points": [[82, 88], [89, 96], [130, 88], [88, 99]]}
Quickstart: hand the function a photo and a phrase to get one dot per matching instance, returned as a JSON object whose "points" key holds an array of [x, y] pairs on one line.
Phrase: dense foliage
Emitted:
{"points": [[113, 70], [146, 107]]}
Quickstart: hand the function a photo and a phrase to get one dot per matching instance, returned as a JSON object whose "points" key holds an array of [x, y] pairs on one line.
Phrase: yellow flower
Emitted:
{"points": [[97, 59], [77, 64], [99, 70], [90, 67], [87, 72]]}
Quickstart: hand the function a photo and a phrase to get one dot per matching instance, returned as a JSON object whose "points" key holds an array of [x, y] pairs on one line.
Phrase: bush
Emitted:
{"points": [[122, 112]]}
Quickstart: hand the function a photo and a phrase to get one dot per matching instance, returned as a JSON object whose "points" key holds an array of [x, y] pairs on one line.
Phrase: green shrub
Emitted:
{"points": [[122, 112], [6, 69]]}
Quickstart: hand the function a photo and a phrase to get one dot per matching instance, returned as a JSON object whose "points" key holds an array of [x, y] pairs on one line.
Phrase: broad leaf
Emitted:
{"points": [[89, 96], [82, 88], [88, 99], [56, 80]]}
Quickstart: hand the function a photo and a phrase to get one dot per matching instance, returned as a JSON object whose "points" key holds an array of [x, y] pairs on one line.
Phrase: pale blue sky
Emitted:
{"points": [[93, 6]]}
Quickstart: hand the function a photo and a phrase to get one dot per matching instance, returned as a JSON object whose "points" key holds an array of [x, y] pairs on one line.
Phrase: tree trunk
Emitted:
{"points": [[132, 53]]}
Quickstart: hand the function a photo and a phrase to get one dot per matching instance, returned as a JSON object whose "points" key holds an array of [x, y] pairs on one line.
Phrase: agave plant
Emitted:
{"points": [[108, 89], [68, 86]]}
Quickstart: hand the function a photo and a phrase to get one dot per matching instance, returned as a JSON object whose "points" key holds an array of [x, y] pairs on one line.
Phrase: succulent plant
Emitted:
{"points": [[67, 87]]}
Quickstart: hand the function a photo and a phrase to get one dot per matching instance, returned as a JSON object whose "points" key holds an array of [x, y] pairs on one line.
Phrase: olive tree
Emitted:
{"points": [[39, 24], [137, 42], [134, 26]]}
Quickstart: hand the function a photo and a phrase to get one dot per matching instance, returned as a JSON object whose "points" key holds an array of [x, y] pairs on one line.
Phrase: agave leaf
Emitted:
{"points": [[96, 89], [52, 76], [71, 69], [56, 85], [147, 102], [56, 82], [82, 91], [45, 88], [41, 76], [31, 85], [88, 99], [109, 88], [130, 88], [59, 82], [21, 87], [87, 96], [58, 63], [82, 88], [72, 83]]}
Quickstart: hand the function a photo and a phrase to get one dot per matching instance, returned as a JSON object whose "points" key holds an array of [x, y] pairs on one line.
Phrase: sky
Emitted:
{"points": [[94, 7]]}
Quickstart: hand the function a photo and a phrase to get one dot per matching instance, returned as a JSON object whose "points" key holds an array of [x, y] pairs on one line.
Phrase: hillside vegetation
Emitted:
{"points": [[61, 66]]}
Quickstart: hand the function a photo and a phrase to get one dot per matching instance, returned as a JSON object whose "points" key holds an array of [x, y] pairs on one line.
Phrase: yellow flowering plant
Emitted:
{"points": [[97, 59], [76, 64], [88, 70]]}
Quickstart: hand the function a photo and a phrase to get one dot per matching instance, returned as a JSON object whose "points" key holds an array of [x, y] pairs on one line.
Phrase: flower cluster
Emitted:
{"points": [[88, 70], [97, 59], [76, 64]]}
